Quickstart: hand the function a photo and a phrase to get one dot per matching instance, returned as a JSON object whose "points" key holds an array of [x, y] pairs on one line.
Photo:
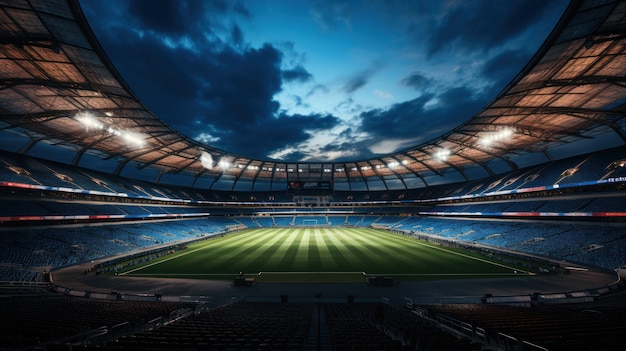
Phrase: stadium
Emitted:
{"points": [[457, 243]]}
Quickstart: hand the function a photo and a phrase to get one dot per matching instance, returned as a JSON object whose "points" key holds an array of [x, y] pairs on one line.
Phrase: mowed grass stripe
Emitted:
{"points": [[390, 256], [191, 253], [301, 261], [326, 257], [380, 259], [320, 250], [446, 258], [284, 252], [335, 250], [404, 257], [315, 247], [218, 257], [257, 252], [353, 260], [230, 257]]}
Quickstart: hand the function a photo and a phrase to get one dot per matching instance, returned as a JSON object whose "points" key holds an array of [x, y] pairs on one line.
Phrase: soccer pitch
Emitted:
{"points": [[320, 255]]}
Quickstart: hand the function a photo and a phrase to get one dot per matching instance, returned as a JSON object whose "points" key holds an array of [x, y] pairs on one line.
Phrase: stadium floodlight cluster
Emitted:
{"points": [[501, 135], [91, 122], [209, 162], [442, 154]]}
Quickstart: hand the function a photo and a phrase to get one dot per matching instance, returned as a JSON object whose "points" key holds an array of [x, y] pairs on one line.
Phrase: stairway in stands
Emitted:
{"points": [[319, 336]]}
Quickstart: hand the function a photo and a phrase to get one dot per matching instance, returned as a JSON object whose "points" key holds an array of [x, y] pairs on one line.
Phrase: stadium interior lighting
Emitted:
{"points": [[393, 164], [133, 139], [91, 122], [88, 120], [442, 154], [491, 138], [206, 160], [405, 162], [225, 164]]}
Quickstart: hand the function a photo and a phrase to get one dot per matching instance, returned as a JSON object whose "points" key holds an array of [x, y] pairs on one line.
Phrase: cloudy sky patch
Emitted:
{"points": [[318, 80]]}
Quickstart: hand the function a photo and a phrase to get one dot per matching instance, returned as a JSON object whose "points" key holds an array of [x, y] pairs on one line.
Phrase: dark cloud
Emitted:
{"points": [[299, 101], [236, 35], [201, 21], [240, 87], [425, 117], [172, 18], [291, 56], [262, 137], [295, 155], [359, 79], [221, 91], [480, 26], [354, 148], [503, 67], [242, 11], [162, 16], [297, 74], [417, 81], [317, 88]]}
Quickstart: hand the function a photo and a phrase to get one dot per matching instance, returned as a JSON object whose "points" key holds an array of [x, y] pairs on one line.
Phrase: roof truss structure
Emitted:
{"points": [[53, 69]]}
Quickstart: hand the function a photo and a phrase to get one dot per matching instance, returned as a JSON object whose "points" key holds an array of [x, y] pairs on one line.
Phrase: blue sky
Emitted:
{"points": [[318, 80]]}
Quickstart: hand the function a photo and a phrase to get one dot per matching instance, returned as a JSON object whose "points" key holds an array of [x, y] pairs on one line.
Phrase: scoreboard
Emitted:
{"points": [[305, 187]]}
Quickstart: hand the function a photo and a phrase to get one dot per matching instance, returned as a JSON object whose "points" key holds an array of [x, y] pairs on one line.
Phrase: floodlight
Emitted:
{"points": [[134, 139], [501, 135], [393, 164], [442, 154], [206, 160], [88, 120], [224, 163]]}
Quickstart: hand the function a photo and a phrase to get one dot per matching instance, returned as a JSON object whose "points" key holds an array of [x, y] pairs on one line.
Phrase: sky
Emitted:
{"points": [[318, 81]]}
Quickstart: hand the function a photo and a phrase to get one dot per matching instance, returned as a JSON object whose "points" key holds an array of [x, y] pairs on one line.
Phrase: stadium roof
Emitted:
{"points": [[58, 86]]}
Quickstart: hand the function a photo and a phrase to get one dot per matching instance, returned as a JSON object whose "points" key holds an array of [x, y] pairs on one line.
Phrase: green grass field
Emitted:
{"points": [[320, 255]]}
